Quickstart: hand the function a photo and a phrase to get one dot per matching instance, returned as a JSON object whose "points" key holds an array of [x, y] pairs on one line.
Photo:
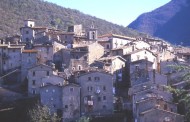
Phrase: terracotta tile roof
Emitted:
{"points": [[3, 45], [29, 51]]}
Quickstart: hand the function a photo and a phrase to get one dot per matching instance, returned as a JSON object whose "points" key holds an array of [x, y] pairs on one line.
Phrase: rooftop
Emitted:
{"points": [[29, 51], [117, 36]]}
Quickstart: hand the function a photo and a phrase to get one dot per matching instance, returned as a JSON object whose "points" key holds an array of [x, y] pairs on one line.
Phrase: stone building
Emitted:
{"points": [[45, 53], [96, 93], [81, 56], [71, 101], [28, 60], [51, 96], [122, 50], [36, 75], [113, 64], [159, 115], [61, 99], [27, 32], [112, 41], [154, 102], [10, 58]]}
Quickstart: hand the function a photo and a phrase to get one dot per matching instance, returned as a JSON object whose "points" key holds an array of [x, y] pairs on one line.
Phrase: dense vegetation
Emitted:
{"points": [[169, 22], [181, 95], [13, 12]]}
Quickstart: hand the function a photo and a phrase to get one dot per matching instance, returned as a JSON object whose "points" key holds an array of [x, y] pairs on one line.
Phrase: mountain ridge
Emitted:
{"points": [[163, 22]]}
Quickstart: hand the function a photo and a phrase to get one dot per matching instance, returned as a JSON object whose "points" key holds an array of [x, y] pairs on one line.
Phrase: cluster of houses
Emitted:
{"points": [[79, 73]]}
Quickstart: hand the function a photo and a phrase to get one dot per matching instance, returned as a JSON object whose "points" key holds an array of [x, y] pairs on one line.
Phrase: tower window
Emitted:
{"points": [[79, 67], [93, 35]]}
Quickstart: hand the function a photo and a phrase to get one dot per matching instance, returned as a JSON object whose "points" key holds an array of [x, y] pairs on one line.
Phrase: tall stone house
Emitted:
{"points": [[96, 93]]}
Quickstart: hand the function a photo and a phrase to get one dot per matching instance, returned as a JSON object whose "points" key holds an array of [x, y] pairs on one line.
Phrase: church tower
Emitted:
{"points": [[92, 33], [27, 32]]}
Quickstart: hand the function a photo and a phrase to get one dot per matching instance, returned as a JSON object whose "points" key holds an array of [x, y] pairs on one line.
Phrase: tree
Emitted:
{"points": [[83, 119], [41, 114], [182, 96]]}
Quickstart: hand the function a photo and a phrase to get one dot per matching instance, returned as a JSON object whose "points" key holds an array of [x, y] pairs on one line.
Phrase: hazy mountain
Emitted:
{"points": [[13, 13], [170, 22]]}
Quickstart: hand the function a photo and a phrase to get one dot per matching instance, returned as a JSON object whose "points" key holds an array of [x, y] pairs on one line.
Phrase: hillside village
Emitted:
{"points": [[78, 73]]}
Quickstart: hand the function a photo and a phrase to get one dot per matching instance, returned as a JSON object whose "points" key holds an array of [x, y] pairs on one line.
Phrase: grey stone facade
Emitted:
{"points": [[35, 76], [96, 93]]}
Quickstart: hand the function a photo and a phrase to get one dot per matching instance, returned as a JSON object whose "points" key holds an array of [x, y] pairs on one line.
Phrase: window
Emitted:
{"points": [[30, 25], [66, 106], [104, 97], [79, 67], [46, 90], [99, 99], [71, 89], [53, 90], [13, 50], [104, 107], [93, 35], [54, 105], [108, 46], [104, 88], [90, 88], [96, 78], [89, 78], [85, 58], [137, 67], [27, 32], [47, 73], [33, 92], [33, 73], [33, 82], [27, 39]]}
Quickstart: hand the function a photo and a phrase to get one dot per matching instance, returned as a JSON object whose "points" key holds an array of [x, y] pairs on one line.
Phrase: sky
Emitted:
{"points": [[121, 12]]}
